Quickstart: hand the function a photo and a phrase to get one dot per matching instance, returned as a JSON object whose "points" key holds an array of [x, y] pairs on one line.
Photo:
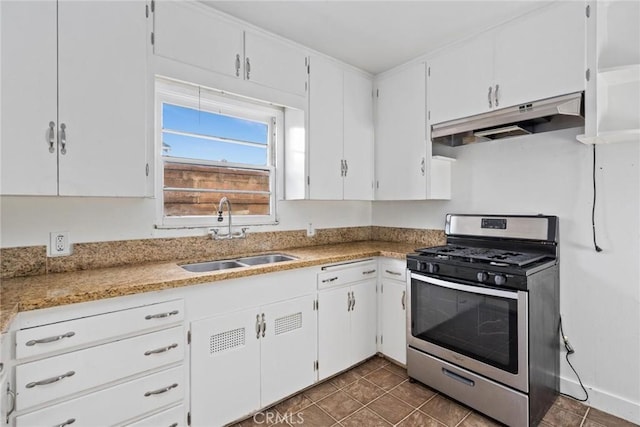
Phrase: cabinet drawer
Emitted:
{"points": [[393, 269], [79, 332], [173, 417], [115, 404], [55, 377], [336, 275]]}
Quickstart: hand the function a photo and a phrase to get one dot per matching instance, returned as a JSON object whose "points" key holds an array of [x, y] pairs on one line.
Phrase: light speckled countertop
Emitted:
{"points": [[50, 290]]}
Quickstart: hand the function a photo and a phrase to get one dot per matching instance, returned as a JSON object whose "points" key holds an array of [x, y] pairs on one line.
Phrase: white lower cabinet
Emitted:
{"points": [[393, 310], [346, 318], [246, 360], [113, 405]]}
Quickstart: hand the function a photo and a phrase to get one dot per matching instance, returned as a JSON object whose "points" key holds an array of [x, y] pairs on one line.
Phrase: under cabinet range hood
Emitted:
{"points": [[561, 112]]}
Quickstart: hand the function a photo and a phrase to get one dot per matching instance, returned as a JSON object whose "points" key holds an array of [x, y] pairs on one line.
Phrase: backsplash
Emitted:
{"points": [[33, 260]]}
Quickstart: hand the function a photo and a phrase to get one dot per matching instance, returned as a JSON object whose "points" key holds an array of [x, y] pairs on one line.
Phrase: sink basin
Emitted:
{"points": [[266, 259], [212, 266], [235, 263]]}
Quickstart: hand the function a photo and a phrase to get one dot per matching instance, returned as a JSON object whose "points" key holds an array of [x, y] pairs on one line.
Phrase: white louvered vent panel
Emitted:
{"points": [[226, 340], [288, 323]]}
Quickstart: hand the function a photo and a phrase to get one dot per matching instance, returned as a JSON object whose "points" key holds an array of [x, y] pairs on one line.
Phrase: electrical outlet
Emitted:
{"points": [[59, 244], [310, 230]]}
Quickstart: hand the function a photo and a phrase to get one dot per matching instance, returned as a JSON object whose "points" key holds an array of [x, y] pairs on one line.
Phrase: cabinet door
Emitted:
{"points": [[541, 55], [272, 63], [394, 323], [358, 137], [334, 340], [325, 130], [102, 98], [459, 80], [191, 35], [400, 135], [225, 368], [363, 321], [29, 98], [288, 348]]}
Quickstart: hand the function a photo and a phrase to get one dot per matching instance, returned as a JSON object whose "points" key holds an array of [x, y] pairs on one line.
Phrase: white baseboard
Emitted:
{"points": [[603, 400]]}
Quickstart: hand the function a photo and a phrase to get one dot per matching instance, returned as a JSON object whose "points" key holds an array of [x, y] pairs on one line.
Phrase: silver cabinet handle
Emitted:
{"points": [[161, 349], [369, 272], [489, 97], [495, 95], [346, 168], [51, 380], [237, 65], [258, 326], [348, 301], [353, 301], [66, 423], [161, 390], [342, 170], [161, 315], [174, 425], [393, 273], [422, 166], [50, 339], [403, 300], [247, 67], [264, 326], [63, 138], [331, 279], [52, 137]]}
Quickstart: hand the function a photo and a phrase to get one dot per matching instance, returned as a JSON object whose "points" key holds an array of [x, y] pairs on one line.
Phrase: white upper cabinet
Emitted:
{"points": [[541, 55], [197, 35], [186, 33], [29, 100], [460, 79], [272, 63], [537, 56], [340, 133], [74, 119]]}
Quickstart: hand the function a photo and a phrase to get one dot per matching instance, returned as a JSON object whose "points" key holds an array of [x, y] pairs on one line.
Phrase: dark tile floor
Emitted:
{"points": [[378, 393]]}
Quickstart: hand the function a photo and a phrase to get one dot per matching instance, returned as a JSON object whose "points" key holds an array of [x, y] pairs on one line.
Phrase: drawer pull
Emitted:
{"points": [[160, 350], [403, 299], [393, 273], [50, 339], [161, 315], [368, 272], [66, 423], [174, 425], [331, 279], [161, 390], [51, 380]]}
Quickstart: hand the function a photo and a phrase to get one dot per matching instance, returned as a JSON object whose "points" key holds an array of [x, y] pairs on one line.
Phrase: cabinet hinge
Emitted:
{"points": [[377, 93], [188, 337], [588, 11], [381, 288], [188, 418], [381, 340], [146, 169], [376, 339], [308, 180], [429, 115], [587, 74], [152, 39], [153, 5], [377, 184], [428, 71]]}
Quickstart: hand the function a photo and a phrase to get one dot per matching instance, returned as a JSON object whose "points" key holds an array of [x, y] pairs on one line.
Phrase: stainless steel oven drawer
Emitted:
{"points": [[495, 400]]}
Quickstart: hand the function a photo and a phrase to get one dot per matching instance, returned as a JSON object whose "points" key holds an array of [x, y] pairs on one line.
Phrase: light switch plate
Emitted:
{"points": [[59, 244]]}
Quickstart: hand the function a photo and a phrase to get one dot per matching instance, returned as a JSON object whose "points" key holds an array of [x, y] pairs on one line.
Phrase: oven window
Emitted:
{"points": [[478, 326]]}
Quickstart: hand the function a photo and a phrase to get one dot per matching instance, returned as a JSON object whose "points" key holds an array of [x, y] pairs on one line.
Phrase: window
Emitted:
{"points": [[215, 145]]}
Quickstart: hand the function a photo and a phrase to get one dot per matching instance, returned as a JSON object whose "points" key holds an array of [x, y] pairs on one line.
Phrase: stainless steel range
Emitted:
{"points": [[483, 318]]}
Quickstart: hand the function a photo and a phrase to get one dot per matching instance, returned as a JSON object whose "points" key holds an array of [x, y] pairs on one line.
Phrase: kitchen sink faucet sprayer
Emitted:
{"points": [[230, 234]]}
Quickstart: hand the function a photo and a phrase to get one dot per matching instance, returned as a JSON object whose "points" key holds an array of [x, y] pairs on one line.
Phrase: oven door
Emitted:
{"points": [[482, 329]]}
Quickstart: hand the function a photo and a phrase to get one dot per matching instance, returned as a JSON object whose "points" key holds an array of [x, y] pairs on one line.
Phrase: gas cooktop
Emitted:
{"points": [[495, 257]]}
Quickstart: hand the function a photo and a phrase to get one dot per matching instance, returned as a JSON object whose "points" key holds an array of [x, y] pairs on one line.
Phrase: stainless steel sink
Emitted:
{"points": [[212, 266], [236, 263], [266, 259]]}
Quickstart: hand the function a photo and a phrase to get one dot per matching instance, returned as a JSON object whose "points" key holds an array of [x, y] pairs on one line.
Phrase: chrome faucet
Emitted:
{"points": [[230, 234]]}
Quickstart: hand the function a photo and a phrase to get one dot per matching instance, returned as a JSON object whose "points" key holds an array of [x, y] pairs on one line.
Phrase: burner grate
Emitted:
{"points": [[479, 254]]}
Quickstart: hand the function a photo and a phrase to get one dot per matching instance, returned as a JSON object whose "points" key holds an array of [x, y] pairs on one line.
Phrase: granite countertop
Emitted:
{"points": [[51, 290]]}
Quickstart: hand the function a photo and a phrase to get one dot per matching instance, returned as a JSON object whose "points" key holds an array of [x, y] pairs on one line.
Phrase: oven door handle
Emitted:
{"points": [[466, 288]]}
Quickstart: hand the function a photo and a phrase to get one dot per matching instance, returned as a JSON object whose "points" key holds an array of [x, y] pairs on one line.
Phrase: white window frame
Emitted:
{"points": [[214, 101]]}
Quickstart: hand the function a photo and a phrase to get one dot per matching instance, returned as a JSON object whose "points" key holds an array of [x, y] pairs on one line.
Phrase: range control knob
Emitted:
{"points": [[432, 268], [482, 276], [422, 266], [499, 279]]}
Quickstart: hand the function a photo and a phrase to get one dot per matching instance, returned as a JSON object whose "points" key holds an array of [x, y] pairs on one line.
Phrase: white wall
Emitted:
{"points": [[27, 221], [600, 292]]}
